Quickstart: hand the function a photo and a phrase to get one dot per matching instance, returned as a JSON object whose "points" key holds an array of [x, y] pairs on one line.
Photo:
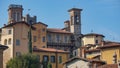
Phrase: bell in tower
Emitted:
{"points": [[15, 13]]}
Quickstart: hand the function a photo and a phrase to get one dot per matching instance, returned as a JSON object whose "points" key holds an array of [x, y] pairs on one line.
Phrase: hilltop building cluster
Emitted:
{"points": [[63, 48]]}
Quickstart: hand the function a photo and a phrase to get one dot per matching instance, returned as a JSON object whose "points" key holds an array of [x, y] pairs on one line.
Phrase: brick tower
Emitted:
{"points": [[15, 13]]}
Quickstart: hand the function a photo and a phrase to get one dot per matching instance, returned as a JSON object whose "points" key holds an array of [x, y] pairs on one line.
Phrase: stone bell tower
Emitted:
{"points": [[15, 13], [75, 25]]}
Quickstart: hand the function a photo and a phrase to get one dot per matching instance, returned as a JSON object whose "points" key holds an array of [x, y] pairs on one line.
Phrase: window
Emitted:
{"points": [[9, 31], [43, 30], [18, 16], [43, 46], [77, 19], [34, 38], [49, 38], [52, 59], [17, 42], [5, 42], [9, 41], [75, 53], [43, 39], [34, 47], [65, 38], [45, 58], [72, 20], [18, 54], [14, 16], [60, 59], [58, 38], [96, 41], [96, 36]]}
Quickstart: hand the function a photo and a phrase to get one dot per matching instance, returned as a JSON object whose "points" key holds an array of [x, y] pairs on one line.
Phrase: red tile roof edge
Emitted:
{"points": [[12, 24], [55, 30], [92, 50], [93, 34], [85, 59], [49, 50], [109, 46], [109, 66]]}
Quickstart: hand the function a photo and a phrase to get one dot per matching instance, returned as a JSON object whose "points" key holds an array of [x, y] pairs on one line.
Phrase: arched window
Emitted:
{"points": [[5, 42], [9, 41]]}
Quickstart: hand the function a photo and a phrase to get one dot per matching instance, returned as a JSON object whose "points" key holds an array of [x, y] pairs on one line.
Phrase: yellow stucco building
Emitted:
{"points": [[54, 56], [110, 53], [92, 38], [91, 42]]}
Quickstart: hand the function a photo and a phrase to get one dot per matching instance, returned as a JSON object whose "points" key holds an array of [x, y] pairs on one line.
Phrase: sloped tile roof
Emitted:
{"points": [[21, 22], [109, 66], [109, 46], [93, 34], [49, 50], [84, 59], [92, 50], [55, 30]]}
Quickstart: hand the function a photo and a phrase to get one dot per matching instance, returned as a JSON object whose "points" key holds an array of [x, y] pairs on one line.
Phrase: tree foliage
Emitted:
{"points": [[46, 64], [24, 61], [49, 65]]}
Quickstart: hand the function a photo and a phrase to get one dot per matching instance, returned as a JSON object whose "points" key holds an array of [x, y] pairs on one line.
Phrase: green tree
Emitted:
{"points": [[30, 39], [24, 61], [49, 65], [46, 64]]}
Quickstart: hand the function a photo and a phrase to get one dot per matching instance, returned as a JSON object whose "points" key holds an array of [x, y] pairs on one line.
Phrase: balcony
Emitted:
{"points": [[60, 44]]}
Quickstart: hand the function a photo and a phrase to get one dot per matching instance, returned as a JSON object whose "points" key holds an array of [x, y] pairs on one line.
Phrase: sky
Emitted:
{"points": [[98, 16]]}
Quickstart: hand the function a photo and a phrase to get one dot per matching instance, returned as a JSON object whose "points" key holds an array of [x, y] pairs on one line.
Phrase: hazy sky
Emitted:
{"points": [[99, 16]]}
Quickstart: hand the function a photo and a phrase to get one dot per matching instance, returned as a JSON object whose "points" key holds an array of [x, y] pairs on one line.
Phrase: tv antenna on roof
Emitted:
{"points": [[91, 31]]}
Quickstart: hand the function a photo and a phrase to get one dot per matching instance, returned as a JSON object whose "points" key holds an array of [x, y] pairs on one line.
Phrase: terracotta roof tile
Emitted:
{"points": [[109, 66], [109, 46], [110, 43], [21, 22], [40, 23], [92, 50], [55, 30], [49, 50], [93, 34], [85, 59]]}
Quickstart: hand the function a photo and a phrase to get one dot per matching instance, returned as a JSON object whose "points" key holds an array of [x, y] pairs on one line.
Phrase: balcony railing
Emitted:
{"points": [[59, 44]]}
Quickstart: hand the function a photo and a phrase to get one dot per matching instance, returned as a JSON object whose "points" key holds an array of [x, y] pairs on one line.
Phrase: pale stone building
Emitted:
{"points": [[15, 36], [78, 62]]}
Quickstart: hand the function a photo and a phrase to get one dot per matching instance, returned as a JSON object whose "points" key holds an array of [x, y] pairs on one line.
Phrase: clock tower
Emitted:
{"points": [[75, 28], [75, 25]]}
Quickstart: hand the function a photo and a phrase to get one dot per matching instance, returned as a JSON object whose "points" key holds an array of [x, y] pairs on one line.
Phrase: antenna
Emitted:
{"points": [[91, 31]]}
